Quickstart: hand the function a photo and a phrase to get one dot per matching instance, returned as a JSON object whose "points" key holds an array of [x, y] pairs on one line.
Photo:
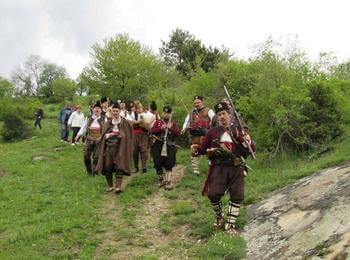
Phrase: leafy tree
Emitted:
{"points": [[49, 73], [187, 54], [35, 77], [122, 67], [63, 89]]}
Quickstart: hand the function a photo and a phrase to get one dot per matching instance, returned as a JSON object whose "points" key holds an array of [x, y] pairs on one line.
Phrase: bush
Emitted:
{"points": [[15, 128]]}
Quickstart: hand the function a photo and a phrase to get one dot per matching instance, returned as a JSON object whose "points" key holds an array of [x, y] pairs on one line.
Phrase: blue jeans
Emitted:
{"points": [[64, 132]]}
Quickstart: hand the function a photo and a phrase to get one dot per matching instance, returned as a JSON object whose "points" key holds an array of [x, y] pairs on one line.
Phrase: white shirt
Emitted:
{"points": [[76, 119], [95, 123]]}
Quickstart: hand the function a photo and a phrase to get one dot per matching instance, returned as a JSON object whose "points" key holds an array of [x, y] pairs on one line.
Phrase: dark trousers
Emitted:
{"points": [[161, 162], [110, 165], [64, 131], [141, 142], [75, 132], [90, 156], [37, 122], [224, 178]]}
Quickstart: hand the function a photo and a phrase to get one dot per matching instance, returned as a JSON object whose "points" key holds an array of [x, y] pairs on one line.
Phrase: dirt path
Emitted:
{"points": [[307, 219], [145, 236]]}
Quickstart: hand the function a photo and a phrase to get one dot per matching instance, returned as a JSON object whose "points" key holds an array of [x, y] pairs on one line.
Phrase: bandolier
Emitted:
{"points": [[163, 149], [226, 152], [198, 122]]}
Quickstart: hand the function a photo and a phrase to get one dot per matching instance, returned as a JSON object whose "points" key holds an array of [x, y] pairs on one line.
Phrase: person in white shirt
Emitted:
{"points": [[76, 121], [93, 127]]}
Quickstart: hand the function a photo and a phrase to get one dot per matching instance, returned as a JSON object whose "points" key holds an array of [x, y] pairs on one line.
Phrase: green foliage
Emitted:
{"points": [[122, 67], [6, 88], [63, 89], [188, 55], [23, 106], [49, 75], [15, 128]]}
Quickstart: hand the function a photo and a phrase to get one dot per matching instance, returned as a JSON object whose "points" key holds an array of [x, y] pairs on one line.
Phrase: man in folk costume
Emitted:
{"points": [[198, 124], [165, 131], [226, 151], [115, 149], [92, 127], [105, 108], [141, 138]]}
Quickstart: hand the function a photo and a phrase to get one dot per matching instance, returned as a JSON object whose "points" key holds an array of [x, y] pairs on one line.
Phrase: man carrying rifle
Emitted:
{"points": [[164, 130], [226, 147], [197, 123]]}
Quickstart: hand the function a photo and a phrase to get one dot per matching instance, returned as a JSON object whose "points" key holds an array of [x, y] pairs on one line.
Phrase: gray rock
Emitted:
{"points": [[307, 219]]}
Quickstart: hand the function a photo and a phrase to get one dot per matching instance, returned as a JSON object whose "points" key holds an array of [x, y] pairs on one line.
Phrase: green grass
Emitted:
{"points": [[48, 207], [51, 209]]}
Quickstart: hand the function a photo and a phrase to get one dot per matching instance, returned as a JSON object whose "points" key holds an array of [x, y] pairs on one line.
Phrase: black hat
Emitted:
{"points": [[221, 107], [197, 97], [167, 109], [104, 99], [116, 105], [153, 106], [97, 104]]}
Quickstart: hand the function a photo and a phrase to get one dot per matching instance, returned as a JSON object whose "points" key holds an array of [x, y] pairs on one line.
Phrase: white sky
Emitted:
{"points": [[63, 31]]}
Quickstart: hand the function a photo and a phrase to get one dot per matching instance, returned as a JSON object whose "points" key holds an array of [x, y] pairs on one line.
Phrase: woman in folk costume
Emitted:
{"points": [[116, 149], [226, 148], [165, 131]]}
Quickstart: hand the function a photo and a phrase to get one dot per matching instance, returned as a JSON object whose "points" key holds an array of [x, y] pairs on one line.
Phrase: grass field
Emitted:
{"points": [[50, 208]]}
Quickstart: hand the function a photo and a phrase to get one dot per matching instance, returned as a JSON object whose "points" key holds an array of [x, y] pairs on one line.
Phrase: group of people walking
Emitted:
{"points": [[115, 137]]}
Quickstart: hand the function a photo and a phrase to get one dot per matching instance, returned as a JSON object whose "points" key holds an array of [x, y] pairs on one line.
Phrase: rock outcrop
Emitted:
{"points": [[307, 219]]}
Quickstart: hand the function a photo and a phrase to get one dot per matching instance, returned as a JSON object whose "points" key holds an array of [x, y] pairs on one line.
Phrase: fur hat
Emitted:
{"points": [[153, 106], [167, 109], [104, 99], [97, 104], [221, 107], [197, 97]]}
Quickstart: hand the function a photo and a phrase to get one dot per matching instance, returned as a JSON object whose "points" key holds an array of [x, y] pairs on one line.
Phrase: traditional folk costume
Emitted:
{"points": [[226, 153], [161, 160], [93, 130], [115, 150], [198, 123], [141, 140]]}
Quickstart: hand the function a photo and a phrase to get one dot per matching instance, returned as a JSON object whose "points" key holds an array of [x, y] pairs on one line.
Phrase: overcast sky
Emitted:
{"points": [[63, 31]]}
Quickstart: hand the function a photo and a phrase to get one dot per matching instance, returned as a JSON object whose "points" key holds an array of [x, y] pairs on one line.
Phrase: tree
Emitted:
{"points": [[35, 76], [187, 54], [63, 89], [50, 72], [6, 88], [122, 67]]}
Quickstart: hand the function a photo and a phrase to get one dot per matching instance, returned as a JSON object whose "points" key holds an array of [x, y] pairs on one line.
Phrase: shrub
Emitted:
{"points": [[15, 128]]}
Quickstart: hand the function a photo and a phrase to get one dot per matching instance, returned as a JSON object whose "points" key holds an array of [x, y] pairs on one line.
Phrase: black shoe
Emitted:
{"points": [[144, 170]]}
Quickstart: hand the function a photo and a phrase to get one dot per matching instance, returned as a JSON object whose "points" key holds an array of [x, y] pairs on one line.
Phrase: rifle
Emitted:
{"points": [[188, 113], [241, 129], [164, 152]]}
